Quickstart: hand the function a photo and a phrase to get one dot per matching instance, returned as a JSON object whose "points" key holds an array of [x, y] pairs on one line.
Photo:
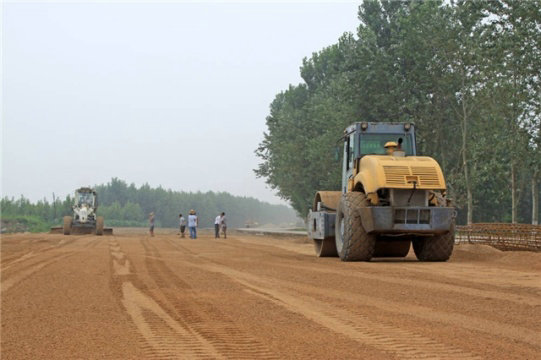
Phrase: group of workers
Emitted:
{"points": [[219, 224]]}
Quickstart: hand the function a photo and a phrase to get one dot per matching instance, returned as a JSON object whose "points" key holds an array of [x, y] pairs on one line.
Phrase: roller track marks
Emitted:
{"points": [[525, 278], [28, 271], [164, 337], [505, 279], [349, 323], [28, 264], [485, 275], [426, 284], [353, 325], [14, 260], [200, 316], [494, 328]]}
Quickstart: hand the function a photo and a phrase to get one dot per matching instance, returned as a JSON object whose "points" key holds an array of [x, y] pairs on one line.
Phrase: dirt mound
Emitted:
{"points": [[473, 252], [523, 259]]}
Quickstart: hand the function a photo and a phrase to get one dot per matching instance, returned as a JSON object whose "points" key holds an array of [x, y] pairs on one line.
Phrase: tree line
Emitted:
{"points": [[467, 73], [128, 205]]}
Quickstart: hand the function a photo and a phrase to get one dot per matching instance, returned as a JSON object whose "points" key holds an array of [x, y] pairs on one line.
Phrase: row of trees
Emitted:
{"points": [[467, 73], [127, 205]]}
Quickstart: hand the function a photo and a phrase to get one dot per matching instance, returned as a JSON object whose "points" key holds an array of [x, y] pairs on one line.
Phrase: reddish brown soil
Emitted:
{"points": [[130, 296]]}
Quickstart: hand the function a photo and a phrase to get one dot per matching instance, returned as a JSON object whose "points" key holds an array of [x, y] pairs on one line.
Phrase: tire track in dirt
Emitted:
{"points": [[8, 263], [358, 327], [485, 275], [164, 337], [385, 337], [514, 333], [17, 260], [26, 271], [205, 319], [503, 281], [426, 284]]}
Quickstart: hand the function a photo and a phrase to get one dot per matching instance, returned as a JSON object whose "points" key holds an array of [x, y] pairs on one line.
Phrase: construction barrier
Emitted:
{"points": [[501, 236]]}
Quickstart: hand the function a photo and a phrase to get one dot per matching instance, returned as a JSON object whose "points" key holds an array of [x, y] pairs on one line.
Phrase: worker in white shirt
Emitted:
{"points": [[182, 223], [217, 223], [192, 224]]}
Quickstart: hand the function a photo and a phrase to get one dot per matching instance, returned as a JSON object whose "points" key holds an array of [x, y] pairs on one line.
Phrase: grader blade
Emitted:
{"points": [[79, 231], [56, 230]]}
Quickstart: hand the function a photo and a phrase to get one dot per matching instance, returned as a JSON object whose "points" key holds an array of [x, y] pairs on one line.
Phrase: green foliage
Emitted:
{"points": [[22, 223], [122, 202], [466, 73], [126, 205]]}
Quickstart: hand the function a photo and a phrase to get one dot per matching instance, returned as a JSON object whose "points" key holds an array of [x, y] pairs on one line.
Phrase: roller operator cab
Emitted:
{"points": [[390, 198]]}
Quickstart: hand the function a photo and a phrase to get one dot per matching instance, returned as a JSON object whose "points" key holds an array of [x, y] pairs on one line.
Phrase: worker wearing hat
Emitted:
{"points": [[192, 224], [390, 147]]}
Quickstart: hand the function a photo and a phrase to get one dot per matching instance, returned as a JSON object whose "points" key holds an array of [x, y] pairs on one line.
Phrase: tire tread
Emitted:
{"points": [[436, 248], [357, 244]]}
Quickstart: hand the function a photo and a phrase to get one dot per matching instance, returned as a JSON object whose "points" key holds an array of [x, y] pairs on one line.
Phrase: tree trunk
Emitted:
{"points": [[535, 200], [469, 196], [513, 194]]}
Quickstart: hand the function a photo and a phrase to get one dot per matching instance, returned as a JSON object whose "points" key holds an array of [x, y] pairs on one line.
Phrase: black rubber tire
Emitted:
{"points": [[325, 248], [352, 241], [435, 248], [68, 221], [99, 225]]}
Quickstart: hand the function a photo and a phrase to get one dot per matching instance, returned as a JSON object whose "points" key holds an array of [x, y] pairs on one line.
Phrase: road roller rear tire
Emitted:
{"points": [[435, 248]]}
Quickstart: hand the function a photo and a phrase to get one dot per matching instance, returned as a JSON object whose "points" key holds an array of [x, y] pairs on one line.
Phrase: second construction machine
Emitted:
{"points": [[85, 219], [390, 199]]}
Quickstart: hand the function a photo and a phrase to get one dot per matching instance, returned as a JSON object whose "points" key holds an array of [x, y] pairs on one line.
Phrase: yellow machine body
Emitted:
{"points": [[374, 172]]}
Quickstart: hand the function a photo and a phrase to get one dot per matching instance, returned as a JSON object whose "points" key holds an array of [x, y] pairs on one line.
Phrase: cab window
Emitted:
{"points": [[373, 144]]}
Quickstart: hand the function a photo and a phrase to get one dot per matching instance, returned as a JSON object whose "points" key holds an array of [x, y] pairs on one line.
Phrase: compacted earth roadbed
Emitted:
{"points": [[259, 297]]}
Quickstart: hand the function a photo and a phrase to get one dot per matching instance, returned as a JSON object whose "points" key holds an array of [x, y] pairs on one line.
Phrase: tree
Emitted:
{"points": [[466, 72]]}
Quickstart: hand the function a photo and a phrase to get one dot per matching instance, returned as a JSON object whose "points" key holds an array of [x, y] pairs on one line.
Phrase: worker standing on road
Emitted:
{"points": [[192, 224], [151, 219], [217, 223], [223, 224], [182, 223]]}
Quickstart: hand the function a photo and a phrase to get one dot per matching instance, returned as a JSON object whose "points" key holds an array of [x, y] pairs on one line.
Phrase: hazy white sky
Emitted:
{"points": [[173, 94]]}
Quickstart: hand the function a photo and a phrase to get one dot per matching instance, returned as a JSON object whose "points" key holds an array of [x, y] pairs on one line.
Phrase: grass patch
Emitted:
{"points": [[23, 223]]}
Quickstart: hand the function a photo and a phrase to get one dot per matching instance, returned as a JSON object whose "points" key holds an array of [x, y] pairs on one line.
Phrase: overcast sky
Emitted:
{"points": [[172, 94]]}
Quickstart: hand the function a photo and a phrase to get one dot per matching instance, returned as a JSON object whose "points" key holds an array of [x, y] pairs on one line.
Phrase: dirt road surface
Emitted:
{"points": [[130, 296]]}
